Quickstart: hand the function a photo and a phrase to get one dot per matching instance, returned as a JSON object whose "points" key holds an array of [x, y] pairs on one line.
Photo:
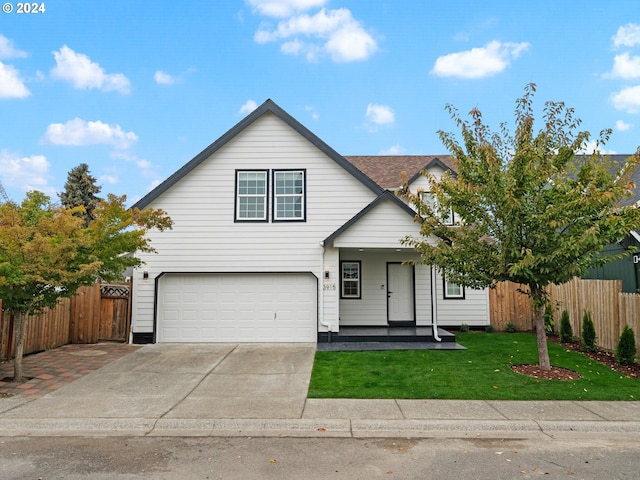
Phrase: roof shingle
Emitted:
{"points": [[386, 170]]}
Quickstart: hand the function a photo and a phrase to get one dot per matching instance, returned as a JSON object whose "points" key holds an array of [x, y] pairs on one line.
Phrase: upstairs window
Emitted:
{"points": [[289, 195], [251, 196], [447, 217]]}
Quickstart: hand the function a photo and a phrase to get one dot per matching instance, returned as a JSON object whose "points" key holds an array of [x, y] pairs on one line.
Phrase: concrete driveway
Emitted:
{"points": [[172, 381]]}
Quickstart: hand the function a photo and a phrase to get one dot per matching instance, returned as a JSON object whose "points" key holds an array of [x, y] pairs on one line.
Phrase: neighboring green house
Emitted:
{"points": [[627, 268]]}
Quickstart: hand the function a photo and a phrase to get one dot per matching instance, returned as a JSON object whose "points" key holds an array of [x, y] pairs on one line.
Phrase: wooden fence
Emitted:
{"points": [[610, 309], [97, 312]]}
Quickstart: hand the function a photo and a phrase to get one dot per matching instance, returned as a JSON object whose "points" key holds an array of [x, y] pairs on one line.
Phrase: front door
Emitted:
{"points": [[400, 293]]}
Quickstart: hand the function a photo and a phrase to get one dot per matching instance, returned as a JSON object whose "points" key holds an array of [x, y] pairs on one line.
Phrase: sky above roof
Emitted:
{"points": [[136, 89]]}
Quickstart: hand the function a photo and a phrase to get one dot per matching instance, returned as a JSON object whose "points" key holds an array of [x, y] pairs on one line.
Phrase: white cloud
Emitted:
{"points": [[25, 173], [329, 32], [283, 8], [78, 132], [146, 168], [481, 62], [311, 109], [11, 85], [78, 69], [7, 49], [627, 99], [627, 35], [623, 126], [110, 179], [393, 150], [163, 78], [248, 107], [379, 114], [592, 146], [625, 66]]}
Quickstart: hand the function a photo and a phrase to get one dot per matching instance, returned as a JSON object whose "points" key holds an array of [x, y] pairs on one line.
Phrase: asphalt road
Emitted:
{"points": [[568, 457]]}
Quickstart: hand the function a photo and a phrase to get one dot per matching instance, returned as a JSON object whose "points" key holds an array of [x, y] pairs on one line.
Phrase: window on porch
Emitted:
{"points": [[350, 279], [453, 290]]}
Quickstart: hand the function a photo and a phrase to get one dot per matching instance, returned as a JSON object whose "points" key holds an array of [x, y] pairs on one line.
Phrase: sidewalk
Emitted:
{"points": [[255, 390]]}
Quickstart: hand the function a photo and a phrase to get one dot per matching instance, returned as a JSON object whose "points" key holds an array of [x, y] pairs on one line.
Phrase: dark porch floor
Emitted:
{"points": [[386, 338]]}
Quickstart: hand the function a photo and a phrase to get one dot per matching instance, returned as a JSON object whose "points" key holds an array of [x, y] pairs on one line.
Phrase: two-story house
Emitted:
{"points": [[278, 238]]}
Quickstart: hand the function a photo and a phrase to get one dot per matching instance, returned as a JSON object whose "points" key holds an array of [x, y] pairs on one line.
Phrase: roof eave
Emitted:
{"points": [[268, 106], [385, 195]]}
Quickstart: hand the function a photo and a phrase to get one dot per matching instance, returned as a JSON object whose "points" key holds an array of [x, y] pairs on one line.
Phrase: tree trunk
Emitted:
{"points": [[539, 301], [20, 327]]}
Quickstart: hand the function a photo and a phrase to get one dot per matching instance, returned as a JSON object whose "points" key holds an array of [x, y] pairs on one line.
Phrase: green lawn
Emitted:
{"points": [[482, 372]]}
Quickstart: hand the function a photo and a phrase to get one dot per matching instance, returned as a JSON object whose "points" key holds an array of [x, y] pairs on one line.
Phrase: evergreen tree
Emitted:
{"points": [[626, 350], [566, 330], [80, 191]]}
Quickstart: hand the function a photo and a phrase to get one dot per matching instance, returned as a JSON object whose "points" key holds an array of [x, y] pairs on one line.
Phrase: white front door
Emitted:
{"points": [[400, 293]]}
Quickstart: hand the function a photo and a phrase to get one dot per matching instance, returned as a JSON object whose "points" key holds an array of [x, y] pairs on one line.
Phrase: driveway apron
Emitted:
{"points": [[208, 381]]}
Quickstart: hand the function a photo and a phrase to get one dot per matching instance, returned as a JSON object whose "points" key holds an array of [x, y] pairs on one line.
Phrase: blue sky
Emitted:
{"points": [[137, 88]]}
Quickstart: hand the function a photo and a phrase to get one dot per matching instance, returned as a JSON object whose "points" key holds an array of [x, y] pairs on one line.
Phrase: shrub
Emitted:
{"points": [[549, 322], [464, 328], [588, 333], [511, 328], [489, 329], [626, 351], [566, 331]]}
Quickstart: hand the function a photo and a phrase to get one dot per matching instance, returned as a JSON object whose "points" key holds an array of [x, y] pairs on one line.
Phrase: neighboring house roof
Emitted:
{"points": [[268, 106], [386, 170], [635, 179], [617, 161]]}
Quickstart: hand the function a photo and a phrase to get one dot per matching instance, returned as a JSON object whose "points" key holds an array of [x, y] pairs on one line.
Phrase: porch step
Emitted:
{"points": [[386, 334]]}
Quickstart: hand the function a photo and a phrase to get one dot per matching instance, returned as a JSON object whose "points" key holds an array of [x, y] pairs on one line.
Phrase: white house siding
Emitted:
{"points": [[371, 308], [473, 310], [423, 295], [205, 237], [383, 227], [330, 291]]}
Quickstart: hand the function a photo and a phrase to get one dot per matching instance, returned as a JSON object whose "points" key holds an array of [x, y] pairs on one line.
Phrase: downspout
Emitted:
{"points": [[434, 306], [321, 295]]}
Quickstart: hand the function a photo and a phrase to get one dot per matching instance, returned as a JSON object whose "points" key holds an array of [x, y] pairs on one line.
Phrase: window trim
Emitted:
{"points": [[275, 196], [237, 197], [358, 282], [445, 290]]}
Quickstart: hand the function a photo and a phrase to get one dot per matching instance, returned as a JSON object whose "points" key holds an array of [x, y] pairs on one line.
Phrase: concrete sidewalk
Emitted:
{"points": [[260, 390]]}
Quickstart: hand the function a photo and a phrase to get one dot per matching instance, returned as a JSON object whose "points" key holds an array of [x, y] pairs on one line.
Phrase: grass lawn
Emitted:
{"points": [[482, 372]]}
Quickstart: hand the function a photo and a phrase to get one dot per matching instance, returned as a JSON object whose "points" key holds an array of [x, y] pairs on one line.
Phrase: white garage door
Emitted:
{"points": [[237, 308]]}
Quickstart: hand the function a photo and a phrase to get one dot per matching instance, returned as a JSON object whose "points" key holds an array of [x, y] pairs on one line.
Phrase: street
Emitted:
{"points": [[597, 457]]}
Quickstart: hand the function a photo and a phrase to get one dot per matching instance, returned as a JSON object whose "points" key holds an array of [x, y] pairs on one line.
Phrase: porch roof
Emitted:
{"points": [[385, 196]]}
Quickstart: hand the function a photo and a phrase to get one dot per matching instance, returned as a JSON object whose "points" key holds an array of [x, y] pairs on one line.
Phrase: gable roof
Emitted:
{"points": [[385, 170], [385, 195], [271, 107]]}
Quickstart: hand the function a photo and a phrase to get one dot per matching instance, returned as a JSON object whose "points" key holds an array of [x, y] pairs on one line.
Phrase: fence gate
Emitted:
{"points": [[114, 312]]}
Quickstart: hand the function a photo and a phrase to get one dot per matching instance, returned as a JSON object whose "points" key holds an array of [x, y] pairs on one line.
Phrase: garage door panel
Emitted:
{"points": [[237, 308]]}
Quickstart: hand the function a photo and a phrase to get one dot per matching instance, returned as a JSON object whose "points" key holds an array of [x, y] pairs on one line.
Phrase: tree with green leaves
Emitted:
{"points": [[81, 190], [535, 210], [47, 252]]}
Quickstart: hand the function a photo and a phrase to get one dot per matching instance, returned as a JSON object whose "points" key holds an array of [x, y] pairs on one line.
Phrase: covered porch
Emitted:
{"points": [[387, 338], [375, 289]]}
